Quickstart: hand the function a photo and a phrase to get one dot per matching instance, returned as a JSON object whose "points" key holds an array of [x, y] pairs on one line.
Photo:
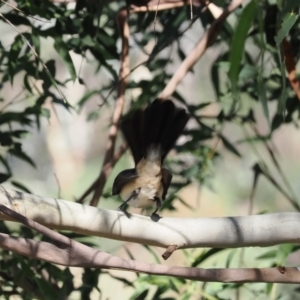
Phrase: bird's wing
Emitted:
{"points": [[122, 179], [166, 180]]}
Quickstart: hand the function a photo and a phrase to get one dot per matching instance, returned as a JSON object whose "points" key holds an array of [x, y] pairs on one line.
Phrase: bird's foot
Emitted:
{"points": [[123, 210], [155, 217]]}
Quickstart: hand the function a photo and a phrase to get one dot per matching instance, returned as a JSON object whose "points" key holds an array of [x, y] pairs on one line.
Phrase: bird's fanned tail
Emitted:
{"points": [[158, 126]]}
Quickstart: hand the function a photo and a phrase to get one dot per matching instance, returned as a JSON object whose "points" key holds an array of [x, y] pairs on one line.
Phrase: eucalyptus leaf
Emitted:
{"points": [[288, 21], [238, 41]]}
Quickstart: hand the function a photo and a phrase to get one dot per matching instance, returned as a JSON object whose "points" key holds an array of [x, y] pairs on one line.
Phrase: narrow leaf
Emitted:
{"points": [[229, 146], [63, 51], [205, 255], [20, 186], [4, 177], [23, 156], [238, 42], [288, 21]]}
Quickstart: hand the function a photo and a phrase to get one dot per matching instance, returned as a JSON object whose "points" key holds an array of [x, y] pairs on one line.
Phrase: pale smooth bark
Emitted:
{"points": [[227, 232], [67, 252]]}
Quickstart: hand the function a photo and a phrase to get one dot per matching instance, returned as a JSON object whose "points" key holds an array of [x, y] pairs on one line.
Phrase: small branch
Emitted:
{"points": [[206, 41], [101, 180], [215, 10], [290, 64], [78, 255], [154, 6], [139, 3], [123, 79], [20, 11], [169, 251]]}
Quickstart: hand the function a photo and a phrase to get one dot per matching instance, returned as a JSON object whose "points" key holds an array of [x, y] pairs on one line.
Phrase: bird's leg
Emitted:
{"points": [[122, 207], [158, 206]]}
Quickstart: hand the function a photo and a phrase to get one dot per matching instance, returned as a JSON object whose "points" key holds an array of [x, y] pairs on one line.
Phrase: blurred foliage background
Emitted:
{"points": [[59, 66]]}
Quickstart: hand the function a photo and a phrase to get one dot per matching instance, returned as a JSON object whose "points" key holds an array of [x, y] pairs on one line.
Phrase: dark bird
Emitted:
{"points": [[150, 134]]}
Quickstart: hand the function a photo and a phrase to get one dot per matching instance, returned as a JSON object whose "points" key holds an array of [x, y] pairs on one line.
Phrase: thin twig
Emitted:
{"points": [[153, 54], [191, 9], [291, 198], [154, 23], [154, 7], [169, 251], [206, 40], [100, 181], [58, 185], [123, 78], [27, 15], [215, 10]]}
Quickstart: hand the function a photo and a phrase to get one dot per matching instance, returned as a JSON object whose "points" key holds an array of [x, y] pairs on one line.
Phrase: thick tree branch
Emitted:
{"points": [[68, 252], [227, 232], [206, 40]]}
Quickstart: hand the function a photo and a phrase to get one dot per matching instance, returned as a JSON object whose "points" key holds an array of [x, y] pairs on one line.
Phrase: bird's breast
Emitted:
{"points": [[146, 189]]}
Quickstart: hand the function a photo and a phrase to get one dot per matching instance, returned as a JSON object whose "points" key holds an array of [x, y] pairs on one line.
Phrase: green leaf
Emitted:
{"points": [[184, 203], [49, 76], [254, 139], [46, 113], [86, 97], [248, 72], [238, 42], [140, 292], [195, 108], [19, 133], [205, 255], [283, 252], [20, 154], [263, 98], [229, 146], [4, 177], [277, 121], [6, 165], [17, 19], [46, 288], [289, 5], [63, 51], [26, 267], [129, 254], [215, 78], [282, 99], [268, 255], [269, 287], [6, 139], [93, 115], [288, 21], [229, 259], [154, 255], [14, 53], [124, 280], [20, 186]]}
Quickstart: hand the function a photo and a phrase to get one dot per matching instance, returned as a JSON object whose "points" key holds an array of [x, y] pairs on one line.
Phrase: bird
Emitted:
{"points": [[150, 134]]}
